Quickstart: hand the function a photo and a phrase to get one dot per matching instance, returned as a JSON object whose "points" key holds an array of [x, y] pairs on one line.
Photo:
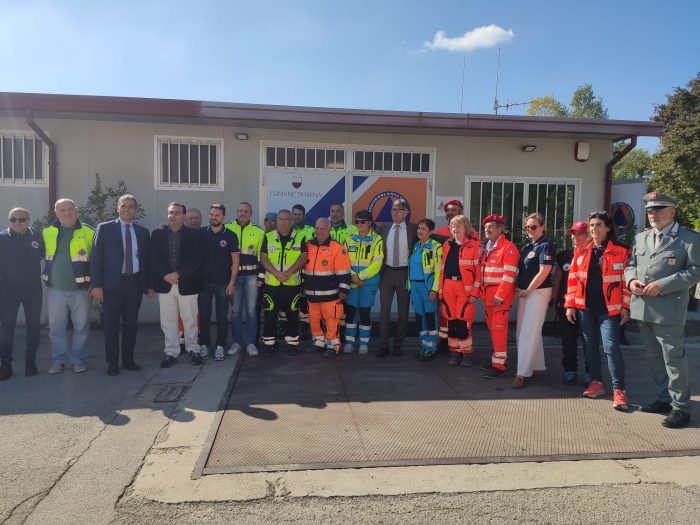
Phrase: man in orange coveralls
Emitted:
{"points": [[327, 281], [499, 268]]}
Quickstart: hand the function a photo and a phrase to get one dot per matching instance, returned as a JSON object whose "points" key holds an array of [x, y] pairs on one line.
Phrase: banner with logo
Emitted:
{"points": [[377, 193], [627, 208], [316, 192]]}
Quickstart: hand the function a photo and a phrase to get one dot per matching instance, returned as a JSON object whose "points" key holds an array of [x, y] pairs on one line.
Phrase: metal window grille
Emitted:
{"points": [[314, 158], [190, 163], [21, 159], [392, 161], [557, 201]]}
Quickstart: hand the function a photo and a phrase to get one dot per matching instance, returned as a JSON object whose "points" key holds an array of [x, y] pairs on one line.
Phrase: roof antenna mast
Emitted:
{"points": [[507, 105]]}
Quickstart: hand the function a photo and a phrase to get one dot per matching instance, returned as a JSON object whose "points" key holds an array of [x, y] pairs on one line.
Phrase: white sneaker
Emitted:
{"points": [[219, 353], [235, 349], [364, 349], [79, 367], [348, 348], [56, 367], [203, 352], [251, 349]]}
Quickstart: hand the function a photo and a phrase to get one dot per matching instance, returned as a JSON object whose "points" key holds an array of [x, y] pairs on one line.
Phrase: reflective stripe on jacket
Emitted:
{"points": [[431, 263], [80, 248], [499, 270], [613, 264], [327, 271], [366, 255], [250, 239], [469, 265], [283, 257]]}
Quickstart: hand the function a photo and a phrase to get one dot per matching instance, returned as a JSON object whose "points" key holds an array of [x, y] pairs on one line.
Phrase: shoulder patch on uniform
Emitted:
{"points": [[344, 251]]}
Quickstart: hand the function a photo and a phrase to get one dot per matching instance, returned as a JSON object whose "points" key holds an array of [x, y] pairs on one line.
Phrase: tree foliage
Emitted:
{"points": [[101, 205], [584, 104], [677, 162], [634, 165]]}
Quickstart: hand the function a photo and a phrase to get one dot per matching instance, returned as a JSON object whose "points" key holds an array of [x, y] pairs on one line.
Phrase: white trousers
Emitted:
{"points": [[528, 331], [173, 306]]}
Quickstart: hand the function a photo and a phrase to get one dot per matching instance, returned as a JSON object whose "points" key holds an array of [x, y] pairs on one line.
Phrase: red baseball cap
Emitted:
{"points": [[453, 202], [578, 227], [493, 218]]}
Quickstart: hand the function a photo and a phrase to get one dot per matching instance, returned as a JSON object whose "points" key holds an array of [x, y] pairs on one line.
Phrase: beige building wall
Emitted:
{"points": [[125, 151]]}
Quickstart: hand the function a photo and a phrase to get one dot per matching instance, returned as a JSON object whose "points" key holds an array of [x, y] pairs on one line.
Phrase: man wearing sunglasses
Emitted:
{"points": [[664, 264], [21, 252]]}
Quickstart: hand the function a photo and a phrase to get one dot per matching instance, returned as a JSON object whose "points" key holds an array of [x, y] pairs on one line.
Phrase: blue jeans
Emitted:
{"points": [[59, 303], [217, 292], [246, 290], [595, 324]]}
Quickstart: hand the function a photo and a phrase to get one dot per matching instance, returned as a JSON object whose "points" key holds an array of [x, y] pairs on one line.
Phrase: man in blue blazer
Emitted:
{"points": [[119, 276]]}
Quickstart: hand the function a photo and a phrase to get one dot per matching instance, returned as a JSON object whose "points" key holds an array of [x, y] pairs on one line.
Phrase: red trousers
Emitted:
{"points": [[331, 313], [456, 309], [497, 323]]}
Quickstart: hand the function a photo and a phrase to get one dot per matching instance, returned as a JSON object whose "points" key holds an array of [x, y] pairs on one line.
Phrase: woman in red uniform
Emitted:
{"points": [[460, 279]]}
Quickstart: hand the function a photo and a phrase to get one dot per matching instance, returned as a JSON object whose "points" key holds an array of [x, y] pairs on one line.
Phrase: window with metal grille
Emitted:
{"points": [[515, 199], [314, 158], [21, 159], [392, 161], [193, 163]]}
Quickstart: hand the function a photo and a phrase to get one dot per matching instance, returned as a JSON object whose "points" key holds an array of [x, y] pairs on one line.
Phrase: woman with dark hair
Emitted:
{"points": [[460, 280], [424, 286], [366, 256], [534, 292], [597, 295]]}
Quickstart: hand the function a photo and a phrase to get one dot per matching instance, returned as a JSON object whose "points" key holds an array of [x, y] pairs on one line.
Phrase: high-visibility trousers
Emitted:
{"points": [[455, 303], [426, 312], [497, 323], [330, 312], [358, 307]]}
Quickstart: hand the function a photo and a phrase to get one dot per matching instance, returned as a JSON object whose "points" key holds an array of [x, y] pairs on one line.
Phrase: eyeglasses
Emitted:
{"points": [[361, 221], [18, 219], [533, 227], [656, 208], [399, 209]]}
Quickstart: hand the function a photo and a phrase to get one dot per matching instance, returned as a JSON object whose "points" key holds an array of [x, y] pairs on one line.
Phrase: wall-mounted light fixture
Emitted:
{"points": [[529, 148], [582, 151], [241, 136]]}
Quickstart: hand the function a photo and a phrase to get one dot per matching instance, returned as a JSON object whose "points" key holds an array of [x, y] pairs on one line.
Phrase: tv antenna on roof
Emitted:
{"points": [[507, 105]]}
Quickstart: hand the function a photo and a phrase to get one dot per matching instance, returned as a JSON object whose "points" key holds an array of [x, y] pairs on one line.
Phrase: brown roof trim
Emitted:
{"points": [[108, 108]]}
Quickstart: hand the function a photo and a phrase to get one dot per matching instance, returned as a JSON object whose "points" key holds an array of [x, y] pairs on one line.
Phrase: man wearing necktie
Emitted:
{"points": [[399, 237], [664, 264], [119, 277]]}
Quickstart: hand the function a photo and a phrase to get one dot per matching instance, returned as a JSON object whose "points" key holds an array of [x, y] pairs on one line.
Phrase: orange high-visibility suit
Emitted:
{"points": [[326, 275], [499, 269], [455, 292]]}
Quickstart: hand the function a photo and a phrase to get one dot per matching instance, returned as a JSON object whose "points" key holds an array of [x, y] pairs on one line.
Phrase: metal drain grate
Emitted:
{"points": [[170, 393]]}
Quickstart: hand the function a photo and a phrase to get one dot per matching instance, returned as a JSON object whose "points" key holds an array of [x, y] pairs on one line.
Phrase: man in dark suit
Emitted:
{"points": [[398, 237], [176, 258], [119, 277]]}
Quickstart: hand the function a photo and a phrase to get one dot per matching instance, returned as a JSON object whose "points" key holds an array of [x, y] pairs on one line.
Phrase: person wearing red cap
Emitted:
{"points": [[569, 331], [499, 265]]}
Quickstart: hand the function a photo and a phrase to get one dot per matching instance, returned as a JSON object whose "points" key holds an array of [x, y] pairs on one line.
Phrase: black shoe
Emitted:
{"points": [[657, 407], [131, 366], [5, 370], [676, 419], [397, 352], [168, 361], [486, 368], [195, 358], [113, 370], [494, 373], [30, 369], [382, 352]]}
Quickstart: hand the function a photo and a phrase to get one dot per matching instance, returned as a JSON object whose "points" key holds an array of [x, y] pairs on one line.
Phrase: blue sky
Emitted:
{"points": [[361, 54]]}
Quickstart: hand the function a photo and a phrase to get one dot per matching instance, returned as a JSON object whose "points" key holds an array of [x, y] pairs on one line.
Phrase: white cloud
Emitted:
{"points": [[484, 36]]}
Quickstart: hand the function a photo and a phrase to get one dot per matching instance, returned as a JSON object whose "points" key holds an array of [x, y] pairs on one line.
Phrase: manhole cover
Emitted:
{"points": [[170, 393]]}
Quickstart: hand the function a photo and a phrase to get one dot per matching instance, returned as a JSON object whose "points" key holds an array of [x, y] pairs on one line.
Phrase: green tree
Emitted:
{"points": [[636, 164], [677, 162], [101, 205], [584, 104]]}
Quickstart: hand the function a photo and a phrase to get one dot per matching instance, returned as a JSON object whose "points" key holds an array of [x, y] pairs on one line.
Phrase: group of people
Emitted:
{"points": [[328, 276]]}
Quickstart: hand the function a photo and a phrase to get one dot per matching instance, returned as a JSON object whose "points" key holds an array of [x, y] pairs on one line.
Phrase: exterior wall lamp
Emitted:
{"points": [[529, 148], [241, 136]]}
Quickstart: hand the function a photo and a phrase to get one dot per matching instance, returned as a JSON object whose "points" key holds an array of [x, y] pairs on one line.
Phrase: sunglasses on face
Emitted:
{"points": [[18, 219], [361, 221], [598, 214], [399, 209], [532, 227]]}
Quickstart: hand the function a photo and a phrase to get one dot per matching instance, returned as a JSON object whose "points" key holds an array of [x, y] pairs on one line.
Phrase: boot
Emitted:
{"points": [[5, 369], [30, 368]]}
